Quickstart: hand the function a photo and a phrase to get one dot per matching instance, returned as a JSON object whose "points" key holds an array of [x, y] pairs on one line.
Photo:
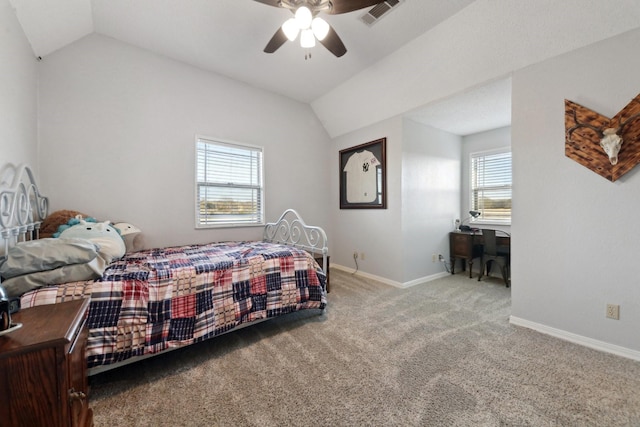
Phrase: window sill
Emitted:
{"points": [[240, 225], [487, 222]]}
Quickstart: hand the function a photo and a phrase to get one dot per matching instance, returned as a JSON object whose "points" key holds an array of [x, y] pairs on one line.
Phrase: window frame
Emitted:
{"points": [[481, 219], [260, 222]]}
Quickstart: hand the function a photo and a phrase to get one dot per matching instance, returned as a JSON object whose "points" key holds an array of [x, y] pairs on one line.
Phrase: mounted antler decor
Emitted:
{"points": [[609, 147]]}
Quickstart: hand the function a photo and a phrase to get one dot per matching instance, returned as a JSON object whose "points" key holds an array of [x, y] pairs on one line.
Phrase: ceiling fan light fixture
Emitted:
{"points": [[307, 39], [311, 29], [320, 28], [303, 17], [291, 29]]}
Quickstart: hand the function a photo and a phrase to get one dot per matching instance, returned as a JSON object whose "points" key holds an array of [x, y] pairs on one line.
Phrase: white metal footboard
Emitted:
{"points": [[22, 207], [291, 230]]}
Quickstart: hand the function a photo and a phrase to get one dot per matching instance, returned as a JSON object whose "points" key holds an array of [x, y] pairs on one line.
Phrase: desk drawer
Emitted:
{"points": [[460, 245]]}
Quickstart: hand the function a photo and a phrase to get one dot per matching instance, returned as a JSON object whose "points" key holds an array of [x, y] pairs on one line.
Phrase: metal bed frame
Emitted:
{"points": [[23, 208], [291, 230]]}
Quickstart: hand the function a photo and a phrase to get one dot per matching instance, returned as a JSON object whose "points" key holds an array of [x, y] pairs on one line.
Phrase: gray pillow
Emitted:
{"points": [[46, 254], [16, 286]]}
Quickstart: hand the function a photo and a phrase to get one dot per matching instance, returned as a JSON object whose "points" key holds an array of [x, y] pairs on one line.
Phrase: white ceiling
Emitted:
{"points": [[484, 108], [227, 37]]}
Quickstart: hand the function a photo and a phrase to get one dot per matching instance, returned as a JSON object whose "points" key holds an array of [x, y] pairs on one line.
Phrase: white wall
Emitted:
{"points": [[18, 93], [575, 235], [423, 198], [430, 197], [117, 132], [376, 232]]}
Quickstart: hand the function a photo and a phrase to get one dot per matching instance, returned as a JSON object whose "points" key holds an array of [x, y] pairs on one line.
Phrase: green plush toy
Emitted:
{"points": [[71, 223], [103, 234]]}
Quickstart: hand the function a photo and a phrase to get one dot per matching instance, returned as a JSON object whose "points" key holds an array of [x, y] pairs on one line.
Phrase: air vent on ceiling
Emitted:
{"points": [[378, 11]]}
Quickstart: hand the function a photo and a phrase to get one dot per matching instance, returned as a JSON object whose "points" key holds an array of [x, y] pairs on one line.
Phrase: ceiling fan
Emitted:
{"points": [[309, 25]]}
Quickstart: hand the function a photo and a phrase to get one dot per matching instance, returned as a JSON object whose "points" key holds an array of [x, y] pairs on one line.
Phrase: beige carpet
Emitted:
{"points": [[438, 354]]}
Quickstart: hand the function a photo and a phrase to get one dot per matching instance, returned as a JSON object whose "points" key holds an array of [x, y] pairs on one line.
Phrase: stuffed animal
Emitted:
{"points": [[51, 223], [102, 234], [125, 228], [73, 221], [131, 235]]}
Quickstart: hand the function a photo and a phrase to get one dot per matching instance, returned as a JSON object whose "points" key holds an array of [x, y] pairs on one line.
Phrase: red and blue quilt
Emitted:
{"points": [[152, 300]]}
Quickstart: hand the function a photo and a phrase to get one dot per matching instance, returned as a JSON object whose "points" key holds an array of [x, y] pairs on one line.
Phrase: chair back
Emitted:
{"points": [[490, 246]]}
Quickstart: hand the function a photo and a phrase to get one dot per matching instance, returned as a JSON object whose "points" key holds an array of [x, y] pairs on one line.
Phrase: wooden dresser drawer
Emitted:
{"points": [[43, 373]]}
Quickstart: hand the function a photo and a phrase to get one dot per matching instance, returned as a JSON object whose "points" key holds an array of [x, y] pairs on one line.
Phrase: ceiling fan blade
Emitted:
{"points": [[275, 3], [333, 43], [276, 41], [344, 6]]}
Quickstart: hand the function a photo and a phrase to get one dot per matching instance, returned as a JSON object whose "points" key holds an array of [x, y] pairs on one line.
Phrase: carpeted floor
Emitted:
{"points": [[438, 354]]}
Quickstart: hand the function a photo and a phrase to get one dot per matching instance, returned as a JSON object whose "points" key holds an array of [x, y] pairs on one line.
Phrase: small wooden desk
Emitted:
{"points": [[468, 245]]}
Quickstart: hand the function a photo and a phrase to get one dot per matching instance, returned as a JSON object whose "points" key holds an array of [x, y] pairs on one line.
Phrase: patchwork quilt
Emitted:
{"points": [[155, 299]]}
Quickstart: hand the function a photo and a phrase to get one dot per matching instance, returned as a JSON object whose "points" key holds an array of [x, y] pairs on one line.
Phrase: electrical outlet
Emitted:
{"points": [[362, 256], [613, 311], [434, 258], [355, 254]]}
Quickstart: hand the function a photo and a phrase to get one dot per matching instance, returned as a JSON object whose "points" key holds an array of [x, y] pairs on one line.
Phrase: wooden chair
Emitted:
{"points": [[491, 253]]}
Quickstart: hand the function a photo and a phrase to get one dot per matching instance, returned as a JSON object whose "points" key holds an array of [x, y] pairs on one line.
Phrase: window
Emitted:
{"points": [[491, 186], [229, 184]]}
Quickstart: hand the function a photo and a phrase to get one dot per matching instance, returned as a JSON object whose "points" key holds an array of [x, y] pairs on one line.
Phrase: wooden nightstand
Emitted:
{"points": [[43, 368]]}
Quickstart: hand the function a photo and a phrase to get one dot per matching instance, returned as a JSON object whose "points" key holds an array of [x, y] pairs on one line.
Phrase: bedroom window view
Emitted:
{"points": [[491, 186], [229, 184]]}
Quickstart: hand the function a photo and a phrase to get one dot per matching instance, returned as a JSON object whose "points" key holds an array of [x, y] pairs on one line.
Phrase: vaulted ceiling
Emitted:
{"points": [[228, 36]]}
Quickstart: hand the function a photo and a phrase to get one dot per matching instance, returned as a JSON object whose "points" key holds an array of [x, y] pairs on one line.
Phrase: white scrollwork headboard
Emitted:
{"points": [[22, 207], [291, 230]]}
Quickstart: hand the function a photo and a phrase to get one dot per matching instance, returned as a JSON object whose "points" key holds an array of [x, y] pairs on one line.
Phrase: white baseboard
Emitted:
{"points": [[389, 281], [577, 339], [425, 279]]}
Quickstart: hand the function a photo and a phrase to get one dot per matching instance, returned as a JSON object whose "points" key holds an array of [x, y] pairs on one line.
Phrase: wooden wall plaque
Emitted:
{"points": [[584, 129]]}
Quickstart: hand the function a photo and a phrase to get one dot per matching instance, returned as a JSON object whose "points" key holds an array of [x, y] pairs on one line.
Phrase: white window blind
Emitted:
{"points": [[491, 185], [229, 184]]}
